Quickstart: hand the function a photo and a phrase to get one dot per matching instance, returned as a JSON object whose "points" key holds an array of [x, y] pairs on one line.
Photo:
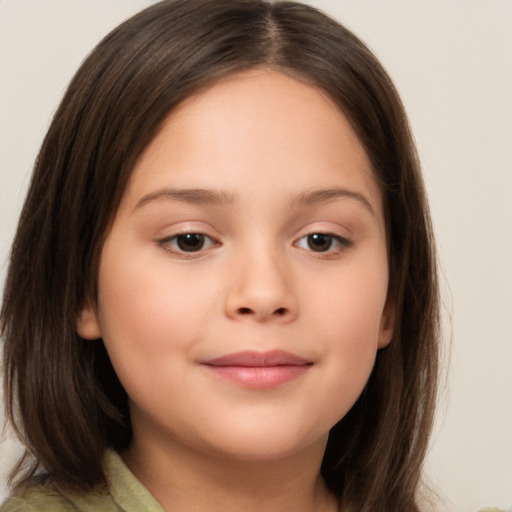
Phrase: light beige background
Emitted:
{"points": [[452, 62]]}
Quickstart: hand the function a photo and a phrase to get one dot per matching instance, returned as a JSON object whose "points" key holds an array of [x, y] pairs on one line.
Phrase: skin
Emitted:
{"points": [[266, 147]]}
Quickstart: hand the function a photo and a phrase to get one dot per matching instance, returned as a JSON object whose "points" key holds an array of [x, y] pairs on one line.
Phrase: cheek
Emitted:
{"points": [[351, 304], [151, 320], [348, 324], [147, 311], [351, 340]]}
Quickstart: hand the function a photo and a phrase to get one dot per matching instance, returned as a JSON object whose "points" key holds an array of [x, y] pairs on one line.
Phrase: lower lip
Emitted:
{"points": [[260, 377]]}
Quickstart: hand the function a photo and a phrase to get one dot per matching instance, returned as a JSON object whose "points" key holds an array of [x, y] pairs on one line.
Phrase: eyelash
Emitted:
{"points": [[339, 241], [172, 243]]}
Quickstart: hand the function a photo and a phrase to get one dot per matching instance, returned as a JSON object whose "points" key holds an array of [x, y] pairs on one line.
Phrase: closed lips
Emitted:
{"points": [[252, 359], [258, 370]]}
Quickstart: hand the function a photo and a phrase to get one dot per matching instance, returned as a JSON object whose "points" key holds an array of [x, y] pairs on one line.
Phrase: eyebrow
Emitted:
{"points": [[211, 197], [315, 197], [200, 196]]}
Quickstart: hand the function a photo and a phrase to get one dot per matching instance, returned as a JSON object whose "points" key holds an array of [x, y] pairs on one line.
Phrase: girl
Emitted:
{"points": [[222, 293]]}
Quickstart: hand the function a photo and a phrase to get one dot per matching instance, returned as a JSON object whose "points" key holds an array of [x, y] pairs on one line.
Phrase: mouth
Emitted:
{"points": [[259, 370]]}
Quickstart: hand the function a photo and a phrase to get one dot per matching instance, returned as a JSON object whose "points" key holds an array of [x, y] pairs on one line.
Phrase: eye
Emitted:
{"points": [[322, 242], [187, 242]]}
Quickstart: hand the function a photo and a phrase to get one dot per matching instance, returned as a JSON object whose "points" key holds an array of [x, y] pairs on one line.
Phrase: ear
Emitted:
{"points": [[387, 323], [87, 325]]}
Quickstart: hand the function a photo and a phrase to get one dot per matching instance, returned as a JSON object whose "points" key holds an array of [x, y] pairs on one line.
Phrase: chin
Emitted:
{"points": [[264, 444]]}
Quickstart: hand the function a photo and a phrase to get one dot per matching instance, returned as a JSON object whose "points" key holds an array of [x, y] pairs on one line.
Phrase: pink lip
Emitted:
{"points": [[259, 370]]}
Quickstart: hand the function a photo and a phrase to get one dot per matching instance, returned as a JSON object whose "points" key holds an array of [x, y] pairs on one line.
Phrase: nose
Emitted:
{"points": [[261, 288]]}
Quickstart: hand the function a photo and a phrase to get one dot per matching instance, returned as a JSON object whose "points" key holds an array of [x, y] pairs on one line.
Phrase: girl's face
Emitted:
{"points": [[243, 285]]}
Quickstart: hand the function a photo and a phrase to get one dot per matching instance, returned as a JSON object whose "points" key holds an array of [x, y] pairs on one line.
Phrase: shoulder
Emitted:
{"points": [[124, 493], [40, 498]]}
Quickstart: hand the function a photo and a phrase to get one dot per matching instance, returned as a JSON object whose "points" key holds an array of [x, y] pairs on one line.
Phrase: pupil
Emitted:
{"points": [[190, 242], [319, 242]]}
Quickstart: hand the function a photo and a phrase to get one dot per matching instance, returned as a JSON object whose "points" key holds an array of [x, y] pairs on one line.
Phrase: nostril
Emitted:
{"points": [[249, 311]]}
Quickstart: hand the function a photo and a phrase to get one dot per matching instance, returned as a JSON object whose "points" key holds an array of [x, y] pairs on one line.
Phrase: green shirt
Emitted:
{"points": [[126, 494]]}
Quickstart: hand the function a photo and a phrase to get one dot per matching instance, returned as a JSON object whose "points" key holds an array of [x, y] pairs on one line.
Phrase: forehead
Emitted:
{"points": [[255, 127]]}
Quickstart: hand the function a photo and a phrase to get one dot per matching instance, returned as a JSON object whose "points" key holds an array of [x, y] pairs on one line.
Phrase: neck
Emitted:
{"points": [[187, 481]]}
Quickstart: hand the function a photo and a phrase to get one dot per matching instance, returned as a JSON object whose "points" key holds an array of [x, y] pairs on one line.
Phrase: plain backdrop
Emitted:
{"points": [[452, 63]]}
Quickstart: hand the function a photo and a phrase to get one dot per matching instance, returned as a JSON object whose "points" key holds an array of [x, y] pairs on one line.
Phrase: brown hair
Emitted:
{"points": [[70, 403]]}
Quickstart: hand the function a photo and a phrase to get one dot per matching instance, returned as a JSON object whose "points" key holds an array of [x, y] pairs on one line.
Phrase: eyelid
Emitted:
{"points": [[339, 242], [168, 243], [338, 238]]}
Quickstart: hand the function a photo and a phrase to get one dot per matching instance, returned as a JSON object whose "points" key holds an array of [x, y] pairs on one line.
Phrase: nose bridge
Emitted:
{"points": [[261, 284]]}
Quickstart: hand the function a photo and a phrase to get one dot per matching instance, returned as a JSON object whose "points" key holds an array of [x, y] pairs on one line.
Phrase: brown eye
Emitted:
{"points": [[190, 242], [319, 242], [323, 242], [187, 244]]}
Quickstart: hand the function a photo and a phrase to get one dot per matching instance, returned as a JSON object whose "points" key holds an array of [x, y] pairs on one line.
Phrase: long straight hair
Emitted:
{"points": [[62, 394]]}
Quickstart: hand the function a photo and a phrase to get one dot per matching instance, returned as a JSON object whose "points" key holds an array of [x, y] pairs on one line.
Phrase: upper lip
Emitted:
{"points": [[254, 359]]}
